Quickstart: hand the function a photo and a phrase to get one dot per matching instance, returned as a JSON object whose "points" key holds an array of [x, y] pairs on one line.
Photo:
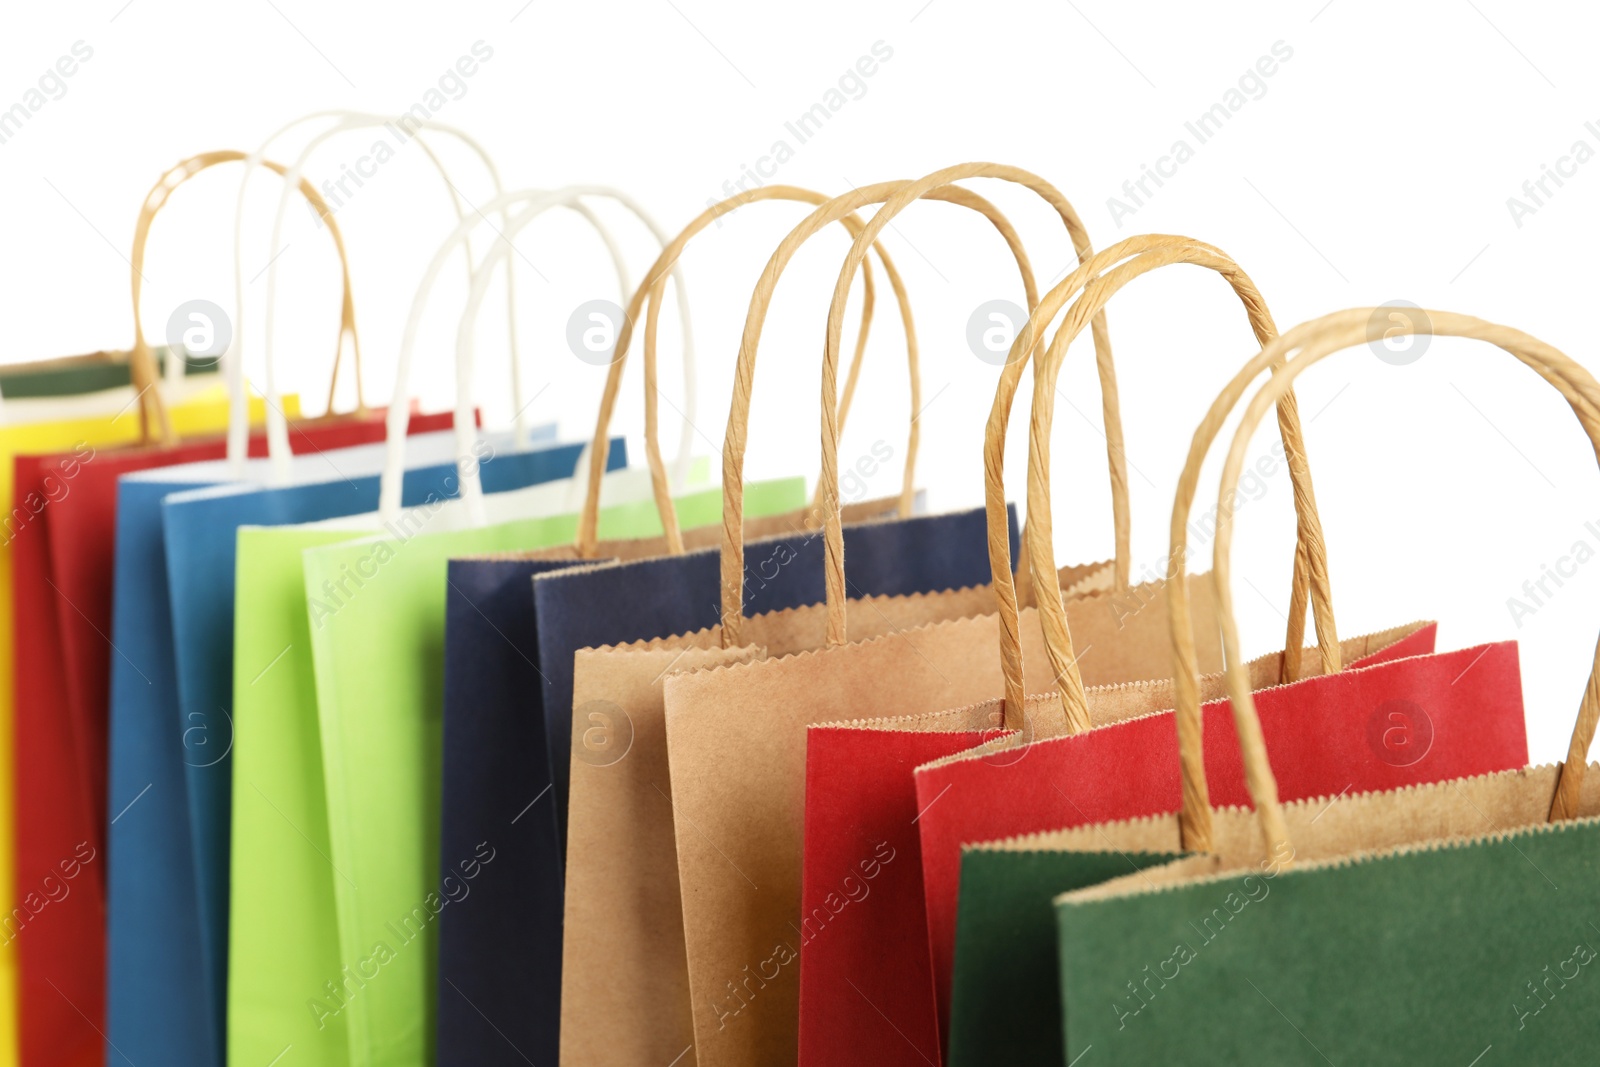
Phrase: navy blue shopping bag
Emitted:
{"points": [[498, 953], [508, 727], [587, 608], [171, 728]]}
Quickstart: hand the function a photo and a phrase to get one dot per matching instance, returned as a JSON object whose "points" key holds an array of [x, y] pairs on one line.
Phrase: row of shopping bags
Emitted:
{"points": [[735, 817], [184, 769], [119, 651], [426, 745]]}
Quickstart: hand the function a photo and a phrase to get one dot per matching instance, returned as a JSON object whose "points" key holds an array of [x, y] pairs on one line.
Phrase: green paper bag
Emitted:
{"points": [[283, 937], [1451, 923], [1005, 905], [92, 373], [1430, 951], [335, 897], [1005, 993]]}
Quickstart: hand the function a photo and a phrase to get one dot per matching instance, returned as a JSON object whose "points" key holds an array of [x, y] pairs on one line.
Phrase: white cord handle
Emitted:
{"points": [[537, 201], [277, 429], [390, 485], [277, 425]]}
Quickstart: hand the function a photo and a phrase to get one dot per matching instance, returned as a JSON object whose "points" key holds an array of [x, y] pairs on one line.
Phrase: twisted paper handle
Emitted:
{"points": [[1313, 342], [156, 424], [651, 291], [736, 439], [1149, 253]]}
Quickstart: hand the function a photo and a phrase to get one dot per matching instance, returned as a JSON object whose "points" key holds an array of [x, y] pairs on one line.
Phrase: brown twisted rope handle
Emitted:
{"points": [[1316, 340], [927, 187], [1053, 616], [736, 437], [652, 291], [142, 364], [657, 286], [1311, 571]]}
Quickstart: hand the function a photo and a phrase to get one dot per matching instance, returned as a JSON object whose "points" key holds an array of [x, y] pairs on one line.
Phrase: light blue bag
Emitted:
{"points": [[170, 731]]}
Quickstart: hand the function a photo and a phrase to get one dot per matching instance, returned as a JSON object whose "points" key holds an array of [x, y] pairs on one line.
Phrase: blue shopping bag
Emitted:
{"points": [[170, 728]]}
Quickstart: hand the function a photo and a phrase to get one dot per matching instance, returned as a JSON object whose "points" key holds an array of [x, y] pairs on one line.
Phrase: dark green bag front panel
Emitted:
{"points": [[1006, 991], [69, 378], [1431, 957]]}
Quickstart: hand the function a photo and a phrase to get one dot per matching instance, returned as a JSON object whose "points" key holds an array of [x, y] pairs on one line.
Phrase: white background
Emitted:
{"points": [[1376, 166]]}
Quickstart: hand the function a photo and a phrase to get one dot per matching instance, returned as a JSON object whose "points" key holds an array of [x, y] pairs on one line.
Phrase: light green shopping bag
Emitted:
{"points": [[283, 941], [336, 778], [335, 958], [284, 968]]}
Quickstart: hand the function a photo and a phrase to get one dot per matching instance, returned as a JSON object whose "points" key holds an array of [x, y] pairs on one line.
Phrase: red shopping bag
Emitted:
{"points": [[1382, 723], [866, 985], [1376, 727], [61, 610], [863, 805], [863, 800], [61, 533]]}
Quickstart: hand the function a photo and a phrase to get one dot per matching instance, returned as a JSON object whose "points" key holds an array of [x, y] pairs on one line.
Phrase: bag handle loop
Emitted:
{"points": [[648, 297], [144, 374], [739, 414], [1311, 568], [1313, 342], [277, 426], [572, 198], [537, 202]]}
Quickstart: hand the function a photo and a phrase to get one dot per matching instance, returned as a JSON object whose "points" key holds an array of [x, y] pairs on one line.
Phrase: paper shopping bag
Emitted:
{"points": [[93, 372], [503, 955], [628, 906], [725, 774], [268, 760], [63, 716], [567, 607], [860, 796], [62, 729], [500, 959], [98, 421], [54, 799], [930, 568], [62, 587], [1431, 885], [153, 897], [428, 533], [61, 415], [534, 502], [861, 766], [409, 602], [377, 612], [1302, 920], [166, 941], [45, 398], [756, 829], [200, 528], [1322, 725], [1030, 783], [281, 931]]}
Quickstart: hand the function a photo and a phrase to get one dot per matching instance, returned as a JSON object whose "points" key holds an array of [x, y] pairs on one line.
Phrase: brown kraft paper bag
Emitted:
{"points": [[624, 984], [736, 735]]}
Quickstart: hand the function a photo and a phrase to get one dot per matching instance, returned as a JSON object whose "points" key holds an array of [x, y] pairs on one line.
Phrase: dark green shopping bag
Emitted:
{"points": [[1452, 923]]}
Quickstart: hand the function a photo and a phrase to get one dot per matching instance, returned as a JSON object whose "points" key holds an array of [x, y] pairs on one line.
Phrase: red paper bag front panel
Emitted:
{"points": [[866, 987], [1422, 719]]}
